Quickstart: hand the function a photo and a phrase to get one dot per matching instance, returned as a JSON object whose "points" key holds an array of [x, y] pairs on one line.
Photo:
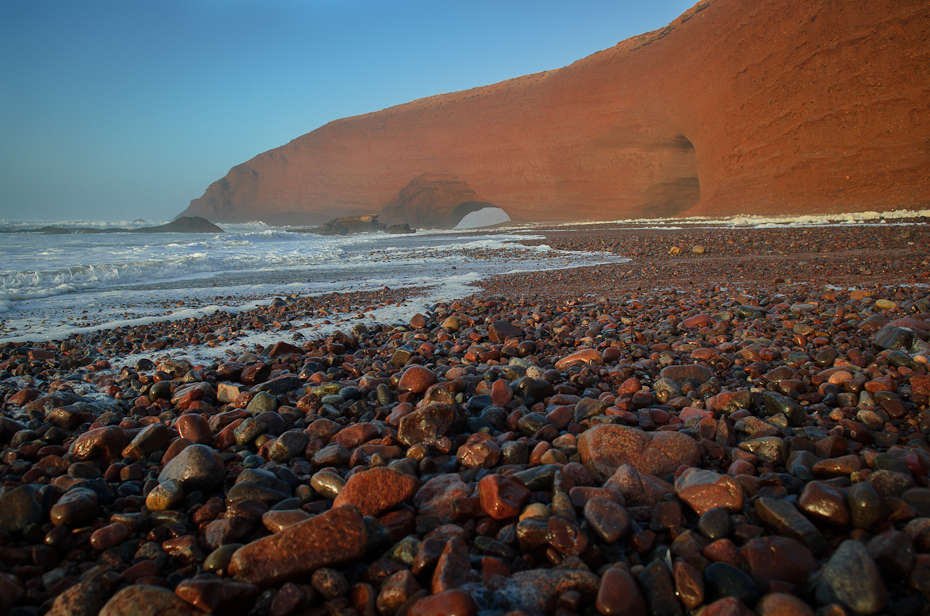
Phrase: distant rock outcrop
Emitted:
{"points": [[736, 107], [182, 224], [357, 224]]}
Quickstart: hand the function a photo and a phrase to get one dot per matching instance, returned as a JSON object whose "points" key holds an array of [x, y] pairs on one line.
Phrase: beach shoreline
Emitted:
{"points": [[728, 419]]}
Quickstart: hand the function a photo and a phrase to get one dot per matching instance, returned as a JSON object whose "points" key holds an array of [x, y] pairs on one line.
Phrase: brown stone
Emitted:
{"points": [[565, 536], [781, 604], [686, 372], [638, 489], [893, 553], [256, 373], [105, 444], [217, 595], [704, 354], [825, 504], [289, 599], [65, 417], [427, 556], [174, 449], [138, 600], [23, 396], [501, 392], [453, 566], [502, 497], [333, 454], [108, 536], [609, 519], [282, 348], [400, 522], [437, 496], [605, 447], [427, 423], [619, 595], [779, 559], [249, 509], [728, 402], [478, 452], [448, 603], [377, 490], [920, 384], [696, 321], [666, 515], [352, 436], [842, 466], [396, 590], [41, 355], [689, 584], [228, 530], [152, 438], [584, 356], [335, 538], [76, 507], [704, 490], [502, 331], [728, 606], [416, 379], [186, 549], [81, 599], [194, 428], [329, 583], [723, 551], [276, 521]]}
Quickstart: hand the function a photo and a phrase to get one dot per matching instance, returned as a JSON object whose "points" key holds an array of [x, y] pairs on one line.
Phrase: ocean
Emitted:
{"points": [[53, 286]]}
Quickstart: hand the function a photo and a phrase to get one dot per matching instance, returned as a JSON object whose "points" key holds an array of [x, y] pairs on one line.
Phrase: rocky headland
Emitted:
{"points": [[736, 107], [734, 422], [181, 224]]}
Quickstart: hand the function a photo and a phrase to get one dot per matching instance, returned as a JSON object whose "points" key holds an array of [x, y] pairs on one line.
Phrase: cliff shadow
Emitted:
{"points": [[680, 188]]}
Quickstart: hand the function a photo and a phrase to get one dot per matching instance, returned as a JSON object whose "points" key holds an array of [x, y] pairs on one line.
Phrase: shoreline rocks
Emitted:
{"points": [[690, 454]]}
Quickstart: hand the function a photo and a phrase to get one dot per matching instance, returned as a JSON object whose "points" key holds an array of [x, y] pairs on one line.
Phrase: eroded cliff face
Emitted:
{"points": [[737, 107], [433, 201]]}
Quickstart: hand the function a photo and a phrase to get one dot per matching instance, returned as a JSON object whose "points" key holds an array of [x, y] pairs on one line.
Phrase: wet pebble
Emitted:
{"points": [[628, 453]]}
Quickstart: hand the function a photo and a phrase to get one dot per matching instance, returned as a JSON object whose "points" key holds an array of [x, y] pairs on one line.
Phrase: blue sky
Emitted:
{"points": [[117, 110]]}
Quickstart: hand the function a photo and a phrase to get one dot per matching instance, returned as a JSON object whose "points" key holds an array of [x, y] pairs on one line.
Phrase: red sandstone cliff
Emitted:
{"points": [[738, 106], [433, 200]]}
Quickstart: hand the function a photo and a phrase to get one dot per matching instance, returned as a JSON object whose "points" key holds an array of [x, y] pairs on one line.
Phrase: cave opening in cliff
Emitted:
{"points": [[680, 188], [476, 214]]}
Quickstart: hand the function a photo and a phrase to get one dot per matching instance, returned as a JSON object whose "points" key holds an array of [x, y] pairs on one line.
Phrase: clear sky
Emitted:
{"points": [[125, 109]]}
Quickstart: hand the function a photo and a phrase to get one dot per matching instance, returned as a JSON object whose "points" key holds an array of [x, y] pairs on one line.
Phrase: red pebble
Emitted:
{"points": [[448, 603], [502, 497]]}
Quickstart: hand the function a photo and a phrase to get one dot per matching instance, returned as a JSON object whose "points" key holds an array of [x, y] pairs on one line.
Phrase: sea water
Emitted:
{"points": [[53, 286]]}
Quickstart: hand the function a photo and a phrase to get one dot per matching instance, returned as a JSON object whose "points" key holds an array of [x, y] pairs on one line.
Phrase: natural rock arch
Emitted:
{"points": [[464, 209], [434, 200], [789, 108]]}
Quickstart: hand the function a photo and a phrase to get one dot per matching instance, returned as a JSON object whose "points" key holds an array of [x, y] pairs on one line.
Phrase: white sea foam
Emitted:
{"points": [[53, 286], [892, 216]]}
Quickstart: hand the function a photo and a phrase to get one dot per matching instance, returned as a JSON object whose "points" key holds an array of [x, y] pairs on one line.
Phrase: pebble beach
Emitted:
{"points": [[734, 421]]}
